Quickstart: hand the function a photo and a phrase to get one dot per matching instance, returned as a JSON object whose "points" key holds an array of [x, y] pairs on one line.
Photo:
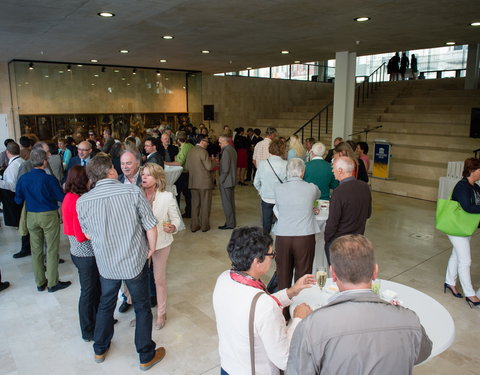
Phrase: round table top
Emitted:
{"points": [[436, 320]]}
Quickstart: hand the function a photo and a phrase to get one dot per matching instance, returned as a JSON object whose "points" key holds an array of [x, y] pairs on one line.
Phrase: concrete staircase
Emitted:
{"points": [[427, 123], [290, 119]]}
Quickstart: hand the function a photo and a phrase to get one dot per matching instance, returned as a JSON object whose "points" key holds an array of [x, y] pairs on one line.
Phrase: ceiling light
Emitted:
{"points": [[158, 72], [106, 14], [168, 37], [296, 62], [30, 66], [163, 60], [60, 71], [475, 24], [450, 43], [362, 19], [69, 68], [134, 71], [123, 51], [205, 51], [285, 52], [116, 71], [93, 60], [46, 76], [95, 75], [249, 67], [79, 65]]}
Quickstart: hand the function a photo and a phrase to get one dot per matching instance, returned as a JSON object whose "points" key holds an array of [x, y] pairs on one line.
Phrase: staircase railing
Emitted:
{"points": [[370, 84], [363, 92], [309, 126]]}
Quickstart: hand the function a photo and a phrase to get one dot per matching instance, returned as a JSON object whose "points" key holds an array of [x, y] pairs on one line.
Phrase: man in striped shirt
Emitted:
{"points": [[119, 221]]}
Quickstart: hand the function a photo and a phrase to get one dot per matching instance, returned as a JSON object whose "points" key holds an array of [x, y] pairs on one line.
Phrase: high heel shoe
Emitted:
{"points": [[446, 286], [470, 302]]}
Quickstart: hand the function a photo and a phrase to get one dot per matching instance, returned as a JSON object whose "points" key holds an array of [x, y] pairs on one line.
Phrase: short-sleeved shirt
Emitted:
{"points": [[116, 217]]}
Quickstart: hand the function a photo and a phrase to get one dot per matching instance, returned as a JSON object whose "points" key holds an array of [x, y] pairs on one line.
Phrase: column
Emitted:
{"points": [[473, 67], [344, 94], [7, 123]]}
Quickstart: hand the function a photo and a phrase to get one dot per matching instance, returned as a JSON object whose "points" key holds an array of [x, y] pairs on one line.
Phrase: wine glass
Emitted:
{"points": [[321, 277]]}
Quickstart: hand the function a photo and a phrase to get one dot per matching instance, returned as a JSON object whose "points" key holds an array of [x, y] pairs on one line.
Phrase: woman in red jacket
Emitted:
{"points": [[81, 251]]}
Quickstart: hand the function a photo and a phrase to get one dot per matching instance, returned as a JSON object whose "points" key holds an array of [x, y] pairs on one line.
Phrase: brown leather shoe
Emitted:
{"points": [[159, 355], [99, 358]]}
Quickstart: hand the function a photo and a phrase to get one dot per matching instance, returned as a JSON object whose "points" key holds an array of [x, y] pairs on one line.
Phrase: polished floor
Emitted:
{"points": [[39, 332]]}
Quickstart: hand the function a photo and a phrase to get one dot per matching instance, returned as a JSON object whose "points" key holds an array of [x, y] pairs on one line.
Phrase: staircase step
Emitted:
{"points": [[436, 117], [418, 169], [407, 187], [437, 154], [428, 108], [427, 140], [417, 128]]}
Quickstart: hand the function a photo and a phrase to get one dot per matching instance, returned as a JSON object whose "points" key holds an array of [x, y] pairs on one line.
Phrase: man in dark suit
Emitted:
{"points": [[153, 156], [228, 168], [350, 204], [109, 141], [167, 150], [84, 150], [130, 164]]}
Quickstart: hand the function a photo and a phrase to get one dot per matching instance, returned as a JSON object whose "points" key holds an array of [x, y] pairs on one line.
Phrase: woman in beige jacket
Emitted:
{"points": [[165, 209]]}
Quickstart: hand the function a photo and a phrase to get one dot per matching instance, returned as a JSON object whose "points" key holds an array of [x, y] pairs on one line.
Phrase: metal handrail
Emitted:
{"points": [[366, 88], [476, 152], [311, 121], [370, 84]]}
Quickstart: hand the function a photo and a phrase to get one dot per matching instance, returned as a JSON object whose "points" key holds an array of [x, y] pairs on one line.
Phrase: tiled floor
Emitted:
{"points": [[39, 332]]}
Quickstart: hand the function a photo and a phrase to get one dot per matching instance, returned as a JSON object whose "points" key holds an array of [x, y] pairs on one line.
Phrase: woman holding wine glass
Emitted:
{"points": [[165, 209]]}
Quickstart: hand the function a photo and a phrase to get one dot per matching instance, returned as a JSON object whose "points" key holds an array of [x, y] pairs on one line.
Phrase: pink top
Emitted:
{"points": [[71, 225], [366, 161]]}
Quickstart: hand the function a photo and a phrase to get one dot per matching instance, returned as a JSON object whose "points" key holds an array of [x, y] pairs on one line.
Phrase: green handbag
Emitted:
{"points": [[453, 220]]}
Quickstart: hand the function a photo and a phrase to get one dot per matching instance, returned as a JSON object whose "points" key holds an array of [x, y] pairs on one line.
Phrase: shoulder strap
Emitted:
{"points": [[274, 172], [250, 330]]}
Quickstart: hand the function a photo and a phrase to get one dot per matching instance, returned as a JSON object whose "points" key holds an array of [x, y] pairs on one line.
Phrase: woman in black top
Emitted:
{"points": [[241, 146], [467, 193]]}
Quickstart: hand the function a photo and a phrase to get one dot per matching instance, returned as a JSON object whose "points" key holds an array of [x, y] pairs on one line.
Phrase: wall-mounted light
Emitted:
{"points": [[158, 73], [69, 68], [134, 71], [30, 66]]}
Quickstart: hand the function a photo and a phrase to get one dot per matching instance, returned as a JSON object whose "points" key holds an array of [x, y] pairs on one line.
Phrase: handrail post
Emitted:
{"points": [[326, 120]]}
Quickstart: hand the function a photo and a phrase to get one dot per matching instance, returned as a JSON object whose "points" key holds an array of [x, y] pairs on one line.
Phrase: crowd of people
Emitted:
{"points": [[120, 219]]}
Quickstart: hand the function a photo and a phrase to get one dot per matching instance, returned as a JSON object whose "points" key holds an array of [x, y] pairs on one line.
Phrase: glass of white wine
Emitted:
{"points": [[321, 277]]}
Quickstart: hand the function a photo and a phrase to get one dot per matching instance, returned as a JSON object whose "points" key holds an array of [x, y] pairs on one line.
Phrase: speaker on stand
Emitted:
{"points": [[208, 113]]}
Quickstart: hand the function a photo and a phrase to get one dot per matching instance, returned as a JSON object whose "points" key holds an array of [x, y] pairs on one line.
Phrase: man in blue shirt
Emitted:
{"points": [[41, 192]]}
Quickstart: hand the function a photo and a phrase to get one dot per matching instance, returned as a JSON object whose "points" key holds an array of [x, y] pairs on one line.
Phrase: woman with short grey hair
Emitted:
{"points": [[296, 226]]}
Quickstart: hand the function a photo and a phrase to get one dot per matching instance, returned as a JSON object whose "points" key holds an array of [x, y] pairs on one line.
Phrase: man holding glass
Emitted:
{"points": [[364, 334]]}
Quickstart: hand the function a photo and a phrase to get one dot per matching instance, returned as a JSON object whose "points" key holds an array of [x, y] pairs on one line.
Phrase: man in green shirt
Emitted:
{"points": [[182, 182], [319, 172]]}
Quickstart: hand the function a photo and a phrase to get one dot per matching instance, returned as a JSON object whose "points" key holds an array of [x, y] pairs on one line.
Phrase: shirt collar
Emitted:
{"points": [[347, 179], [107, 181]]}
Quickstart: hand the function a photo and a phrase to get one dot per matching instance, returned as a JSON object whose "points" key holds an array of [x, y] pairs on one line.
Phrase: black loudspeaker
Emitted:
{"points": [[475, 123], [208, 112]]}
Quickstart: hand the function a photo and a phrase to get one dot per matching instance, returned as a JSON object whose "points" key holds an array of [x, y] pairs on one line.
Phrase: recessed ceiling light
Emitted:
{"points": [[285, 52], [205, 51], [362, 19], [168, 37], [249, 67], [116, 71], [123, 51], [79, 65], [475, 24], [106, 14], [296, 62], [163, 60], [450, 43], [94, 60]]}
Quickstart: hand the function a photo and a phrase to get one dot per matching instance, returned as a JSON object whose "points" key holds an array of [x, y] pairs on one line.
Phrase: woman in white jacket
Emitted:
{"points": [[165, 209]]}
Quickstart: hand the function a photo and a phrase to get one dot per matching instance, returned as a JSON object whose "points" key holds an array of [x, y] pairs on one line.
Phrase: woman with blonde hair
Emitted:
{"points": [[296, 149], [165, 209]]}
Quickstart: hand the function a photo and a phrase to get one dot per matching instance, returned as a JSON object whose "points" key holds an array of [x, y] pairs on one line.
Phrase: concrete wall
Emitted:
{"points": [[239, 101]]}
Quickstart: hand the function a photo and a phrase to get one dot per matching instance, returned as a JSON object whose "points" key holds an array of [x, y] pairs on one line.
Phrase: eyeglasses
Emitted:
{"points": [[273, 254]]}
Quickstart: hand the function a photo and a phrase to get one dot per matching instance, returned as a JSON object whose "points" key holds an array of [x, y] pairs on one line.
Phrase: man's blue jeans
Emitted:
{"points": [[138, 288]]}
